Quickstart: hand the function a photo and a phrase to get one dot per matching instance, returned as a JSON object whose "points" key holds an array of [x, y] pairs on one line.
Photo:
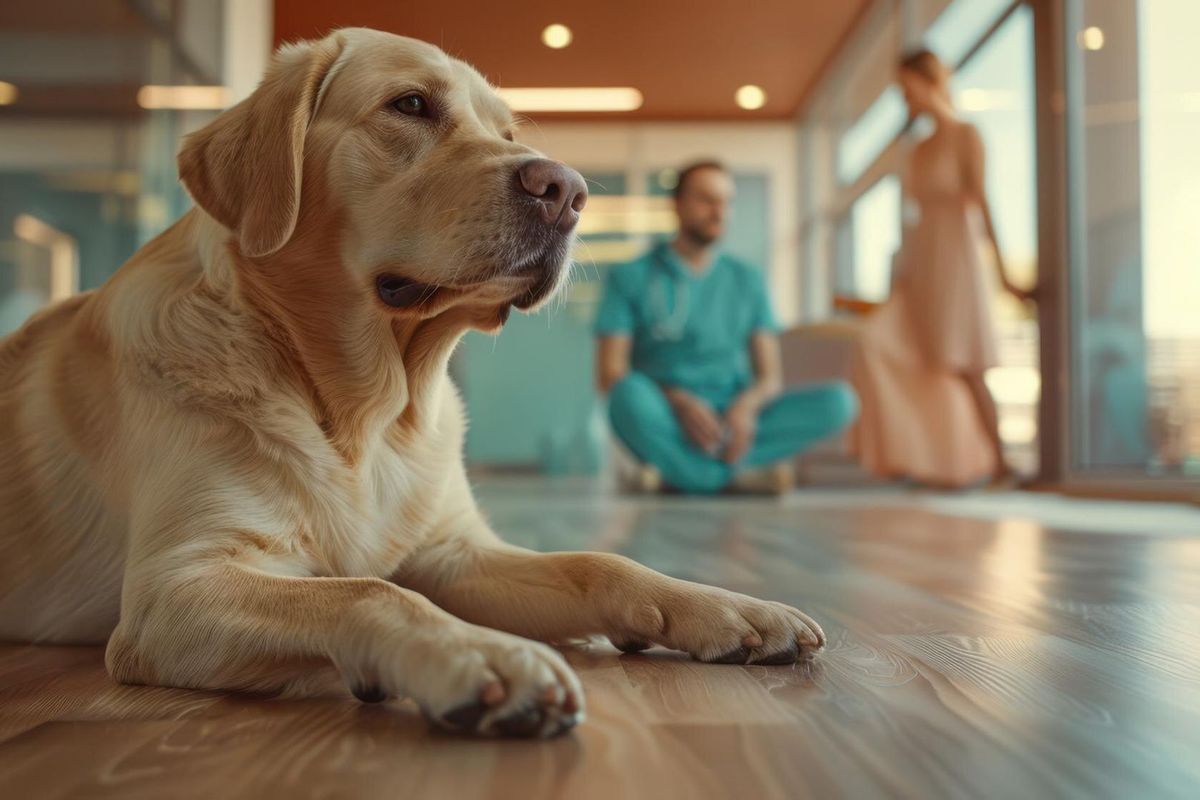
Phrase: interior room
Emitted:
{"points": [[877, 317]]}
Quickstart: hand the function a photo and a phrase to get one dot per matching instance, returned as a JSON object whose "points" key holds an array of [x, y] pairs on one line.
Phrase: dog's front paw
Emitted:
{"points": [[722, 627], [483, 682]]}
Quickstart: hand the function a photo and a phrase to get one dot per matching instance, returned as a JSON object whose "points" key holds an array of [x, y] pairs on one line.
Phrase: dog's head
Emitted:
{"points": [[406, 158]]}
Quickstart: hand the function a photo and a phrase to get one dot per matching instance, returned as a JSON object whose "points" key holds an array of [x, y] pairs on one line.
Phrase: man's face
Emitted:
{"points": [[703, 206]]}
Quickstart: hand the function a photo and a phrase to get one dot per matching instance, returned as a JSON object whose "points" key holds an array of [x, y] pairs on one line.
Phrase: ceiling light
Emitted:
{"points": [[556, 36], [8, 94], [1091, 38], [750, 97], [184, 98], [580, 98]]}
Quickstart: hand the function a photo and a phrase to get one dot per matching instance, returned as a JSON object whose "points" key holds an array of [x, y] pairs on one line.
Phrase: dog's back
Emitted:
{"points": [[61, 552]]}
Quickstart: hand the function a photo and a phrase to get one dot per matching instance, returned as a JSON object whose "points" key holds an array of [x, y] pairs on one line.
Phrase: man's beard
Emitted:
{"points": [[699, 235]]}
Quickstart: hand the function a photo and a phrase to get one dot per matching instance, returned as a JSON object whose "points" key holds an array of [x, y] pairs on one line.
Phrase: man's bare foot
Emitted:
{"points": [[774, 479], [641, 479]]}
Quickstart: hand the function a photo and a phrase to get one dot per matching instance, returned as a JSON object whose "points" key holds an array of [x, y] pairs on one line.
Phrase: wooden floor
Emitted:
{"points": [[969, 657]]}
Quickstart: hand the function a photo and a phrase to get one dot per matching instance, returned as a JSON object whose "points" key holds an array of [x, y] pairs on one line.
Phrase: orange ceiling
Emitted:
{"points": [[687, 58]]}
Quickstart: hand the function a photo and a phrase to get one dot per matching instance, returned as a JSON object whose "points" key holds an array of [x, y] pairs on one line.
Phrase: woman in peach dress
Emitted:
{"points": [[926, 412]]}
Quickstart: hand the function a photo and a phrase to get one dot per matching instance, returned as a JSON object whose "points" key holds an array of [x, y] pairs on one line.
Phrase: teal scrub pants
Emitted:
{"points": [[643, 419]]}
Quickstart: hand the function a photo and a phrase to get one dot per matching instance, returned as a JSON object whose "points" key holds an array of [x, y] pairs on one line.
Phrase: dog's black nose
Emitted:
{"points": [[559, 189]]}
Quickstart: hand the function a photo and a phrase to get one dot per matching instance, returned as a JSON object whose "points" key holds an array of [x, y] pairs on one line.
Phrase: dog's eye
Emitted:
{"points": [[412, 105], [508, 135]]}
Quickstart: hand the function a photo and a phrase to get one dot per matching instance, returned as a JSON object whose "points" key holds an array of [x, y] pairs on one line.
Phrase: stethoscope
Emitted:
{"points": [[669, 321]]}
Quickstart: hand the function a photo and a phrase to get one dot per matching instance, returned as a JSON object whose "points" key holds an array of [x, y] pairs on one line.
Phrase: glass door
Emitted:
{"points": [[995, 91], [1133, 123]]}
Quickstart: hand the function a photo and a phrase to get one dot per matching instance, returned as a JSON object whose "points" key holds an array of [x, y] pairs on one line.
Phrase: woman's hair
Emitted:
{"points": [[925, 62]]}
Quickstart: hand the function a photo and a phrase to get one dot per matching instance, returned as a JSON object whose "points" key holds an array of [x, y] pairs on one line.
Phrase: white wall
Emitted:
{"points": [[640, 149]]}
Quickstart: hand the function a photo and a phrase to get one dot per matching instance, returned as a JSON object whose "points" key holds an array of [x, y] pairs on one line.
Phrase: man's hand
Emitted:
{"points": [[742, 420], [698, 418]]}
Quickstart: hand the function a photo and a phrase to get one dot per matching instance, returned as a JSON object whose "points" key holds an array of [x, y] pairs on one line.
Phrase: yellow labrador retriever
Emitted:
{"points": [[240, 459]]}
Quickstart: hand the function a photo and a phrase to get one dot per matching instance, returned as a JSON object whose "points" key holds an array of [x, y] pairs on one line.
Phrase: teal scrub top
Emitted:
{"points": [[690, 330]]}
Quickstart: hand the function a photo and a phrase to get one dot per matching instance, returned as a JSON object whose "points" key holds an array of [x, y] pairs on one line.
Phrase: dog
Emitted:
{"points": [[239, 461]]}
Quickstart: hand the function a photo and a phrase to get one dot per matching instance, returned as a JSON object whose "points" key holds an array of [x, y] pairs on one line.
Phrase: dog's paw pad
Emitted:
{"points": [[783, 657], [632, 646], [739, 655], [370, 694], [465, 718], [565, 724], [523, 722]]}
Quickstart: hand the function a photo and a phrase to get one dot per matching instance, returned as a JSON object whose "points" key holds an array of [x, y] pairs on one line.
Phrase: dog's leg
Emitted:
{"points": [[231, 626], [468, 571]]}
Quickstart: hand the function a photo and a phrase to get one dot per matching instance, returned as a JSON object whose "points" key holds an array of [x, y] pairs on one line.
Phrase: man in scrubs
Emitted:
{"points": [[689, 355]]}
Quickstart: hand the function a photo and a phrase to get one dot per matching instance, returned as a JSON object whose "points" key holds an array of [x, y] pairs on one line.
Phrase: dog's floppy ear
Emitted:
{"points": [[244, 168]]}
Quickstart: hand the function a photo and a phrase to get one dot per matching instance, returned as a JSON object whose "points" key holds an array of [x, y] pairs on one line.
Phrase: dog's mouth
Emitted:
{"points": [[538, 292], [543, 271], [396, 291], [405, 294], [518, 266], [522, 288]]}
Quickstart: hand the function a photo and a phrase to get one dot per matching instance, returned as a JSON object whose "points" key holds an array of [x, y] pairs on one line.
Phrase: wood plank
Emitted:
{"points": [[967, 657]]}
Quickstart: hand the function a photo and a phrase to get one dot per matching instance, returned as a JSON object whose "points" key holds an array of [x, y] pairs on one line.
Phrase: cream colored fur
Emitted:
{"points": [[235, 465]]}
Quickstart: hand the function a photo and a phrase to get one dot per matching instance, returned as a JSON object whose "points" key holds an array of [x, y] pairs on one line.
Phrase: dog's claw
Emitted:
{"points": [[632, 646]]}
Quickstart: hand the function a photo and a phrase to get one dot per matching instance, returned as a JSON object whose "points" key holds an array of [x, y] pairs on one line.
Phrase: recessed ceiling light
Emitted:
{"points": [[1091, 38], [750, 97], [8, 94], [184, 98], [556, 36], [574, 98]]}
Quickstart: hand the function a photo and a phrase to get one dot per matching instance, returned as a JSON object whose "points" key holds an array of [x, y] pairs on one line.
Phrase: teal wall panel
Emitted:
{"points": [[530, 391]]}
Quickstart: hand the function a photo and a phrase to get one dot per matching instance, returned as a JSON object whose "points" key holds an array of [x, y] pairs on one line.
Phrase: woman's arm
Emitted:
{"points": [[973, 167]]}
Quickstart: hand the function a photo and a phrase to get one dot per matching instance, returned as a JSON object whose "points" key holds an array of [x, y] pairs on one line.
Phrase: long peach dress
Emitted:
{"points": [[918, 419]]}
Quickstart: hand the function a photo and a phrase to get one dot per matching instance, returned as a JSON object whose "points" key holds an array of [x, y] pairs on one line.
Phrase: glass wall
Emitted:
{"points": [[1134, 193], [956, 31], [1126, 342], [86, 174], [856, 208], [994, 90], [869, 242], [869, 135]]}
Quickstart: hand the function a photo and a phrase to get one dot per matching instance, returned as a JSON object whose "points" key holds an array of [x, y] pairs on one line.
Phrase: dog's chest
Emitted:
{"points": [[365, 519], [364, 512]]}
